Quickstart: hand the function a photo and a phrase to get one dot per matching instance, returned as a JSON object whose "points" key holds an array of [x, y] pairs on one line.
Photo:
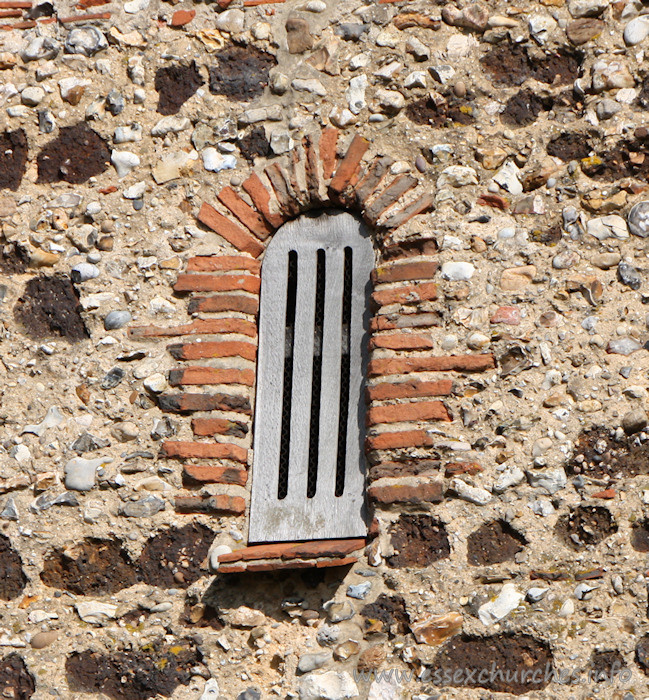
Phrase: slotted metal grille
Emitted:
{"points": [[308, 467]]}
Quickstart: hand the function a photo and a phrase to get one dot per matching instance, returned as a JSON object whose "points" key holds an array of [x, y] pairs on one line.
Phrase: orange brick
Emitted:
{"points": [[407, 294], [190, 403], [217, 283], [349, 167], [401, 412], [214, 348], [328, 141], [410, 389], [206, 427], [404, 271], [223, 263], [245, 213], [204, 450], [182, 17], [233, 233], [210, 505], [402, 438], [450, 363], [428, 492], [199, 376], [292, 550], [197, 473], [401, 341], [225, 302]]}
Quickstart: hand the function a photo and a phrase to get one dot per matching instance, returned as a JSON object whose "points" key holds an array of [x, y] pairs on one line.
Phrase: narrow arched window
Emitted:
{"points": [[308, 473]]}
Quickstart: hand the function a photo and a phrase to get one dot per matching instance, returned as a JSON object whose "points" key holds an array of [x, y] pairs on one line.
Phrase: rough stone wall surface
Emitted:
{"points": [[149, 150]]}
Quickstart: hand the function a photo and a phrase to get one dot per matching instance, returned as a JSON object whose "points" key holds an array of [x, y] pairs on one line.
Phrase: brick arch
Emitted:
{"points": [[215, 463]]}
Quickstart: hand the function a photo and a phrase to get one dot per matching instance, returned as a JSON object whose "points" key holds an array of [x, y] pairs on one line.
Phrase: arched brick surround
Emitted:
{"points": [[403, 396]]}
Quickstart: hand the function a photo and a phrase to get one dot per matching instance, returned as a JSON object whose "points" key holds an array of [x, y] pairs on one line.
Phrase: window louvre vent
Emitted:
{"points": [[308, 468]]}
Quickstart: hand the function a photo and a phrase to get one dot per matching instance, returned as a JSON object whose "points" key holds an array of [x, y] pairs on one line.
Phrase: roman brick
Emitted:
{"points": [[203, 450], [404, 271], [419, 206], [279, 565], [250, 218], [194, 474], [217, 283], [402, 412], [371, 178], [292, 550], [401, 341], [210, 505], [390, 195], [202, 326], [286, 198], [457, 468], [329, 563], [391, 322], [311, 168], [412, 388], [427, 492], [233, 233], [225, 302], [449, 363], [406, 294], [327, 148], [408, 248], [210, 375], [411, 467], [399, 439], [261, 199], [223, 263], [349, 166], [190, 403], [213, 348], [207, 427]]}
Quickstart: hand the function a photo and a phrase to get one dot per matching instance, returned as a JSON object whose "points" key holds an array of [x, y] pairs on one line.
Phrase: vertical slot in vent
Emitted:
{"points": [[287, 392], [343, 411]]}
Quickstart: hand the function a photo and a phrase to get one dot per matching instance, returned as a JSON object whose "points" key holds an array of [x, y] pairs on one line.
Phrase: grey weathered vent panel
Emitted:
{"points": [[308, 473]]}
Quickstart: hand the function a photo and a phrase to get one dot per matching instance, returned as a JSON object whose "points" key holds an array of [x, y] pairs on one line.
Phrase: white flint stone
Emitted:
{"points": [[552, 480], [390, 101], [96, 613], [215, 161], [473, 494], [211, 690], [281, 142], [457, 176], [389, 71], [361, 60], [128, 134], [313, 86], [508, 177], [636, 31], [135, 6], [53, 418], [230, 21], [355, 94], [507, 601], [21, 454], [330, 685], [541, 26], [512, 476], [536, 593], [457, 271], [32, 96], [135, 191], [155, 383], [416, 79], [611, 226], [81, 474], [170, 125], [124, 162], [174, 165], [443, 73]]}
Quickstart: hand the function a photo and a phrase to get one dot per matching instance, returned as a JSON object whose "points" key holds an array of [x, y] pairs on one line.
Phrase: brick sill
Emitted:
{"points": [[292, 555]]}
